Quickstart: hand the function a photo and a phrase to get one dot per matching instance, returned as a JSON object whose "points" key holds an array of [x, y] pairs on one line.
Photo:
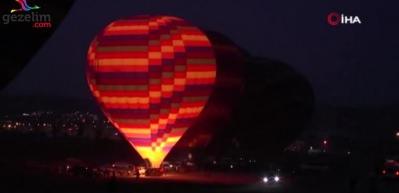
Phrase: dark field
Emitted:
{"points": [[192, 182]]}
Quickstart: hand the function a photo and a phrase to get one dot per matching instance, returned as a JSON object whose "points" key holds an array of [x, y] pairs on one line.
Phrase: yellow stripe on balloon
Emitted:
{"points": [[195, 37], [125, 100], [128, 28], [123, 61], [195, 75], [190, 110], [136, 131]]}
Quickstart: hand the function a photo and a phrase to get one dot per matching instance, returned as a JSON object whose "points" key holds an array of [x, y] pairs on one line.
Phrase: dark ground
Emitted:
{"points": [[20, 181]]}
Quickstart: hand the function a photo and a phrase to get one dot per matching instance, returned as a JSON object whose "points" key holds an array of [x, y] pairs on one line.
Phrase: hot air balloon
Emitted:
{"points": [[217, 116], [152, 76]]}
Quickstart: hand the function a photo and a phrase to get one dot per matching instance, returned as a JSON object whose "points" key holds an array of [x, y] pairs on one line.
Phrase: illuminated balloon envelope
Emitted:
{"points": [[215, 120], [152, 76]]}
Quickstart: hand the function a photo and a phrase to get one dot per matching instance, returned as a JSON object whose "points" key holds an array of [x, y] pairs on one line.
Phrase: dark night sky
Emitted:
{"points": [[348, 65]]}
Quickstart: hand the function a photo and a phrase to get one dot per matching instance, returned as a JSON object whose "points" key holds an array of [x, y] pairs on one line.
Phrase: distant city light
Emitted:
{"points": [[56, 124]]}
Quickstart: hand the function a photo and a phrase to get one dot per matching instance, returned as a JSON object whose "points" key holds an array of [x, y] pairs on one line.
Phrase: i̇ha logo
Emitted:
{"points": [[335, 19]]}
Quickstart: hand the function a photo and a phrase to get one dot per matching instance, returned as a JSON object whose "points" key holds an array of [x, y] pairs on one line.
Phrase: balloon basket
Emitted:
{"points": [[154, 172]]}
